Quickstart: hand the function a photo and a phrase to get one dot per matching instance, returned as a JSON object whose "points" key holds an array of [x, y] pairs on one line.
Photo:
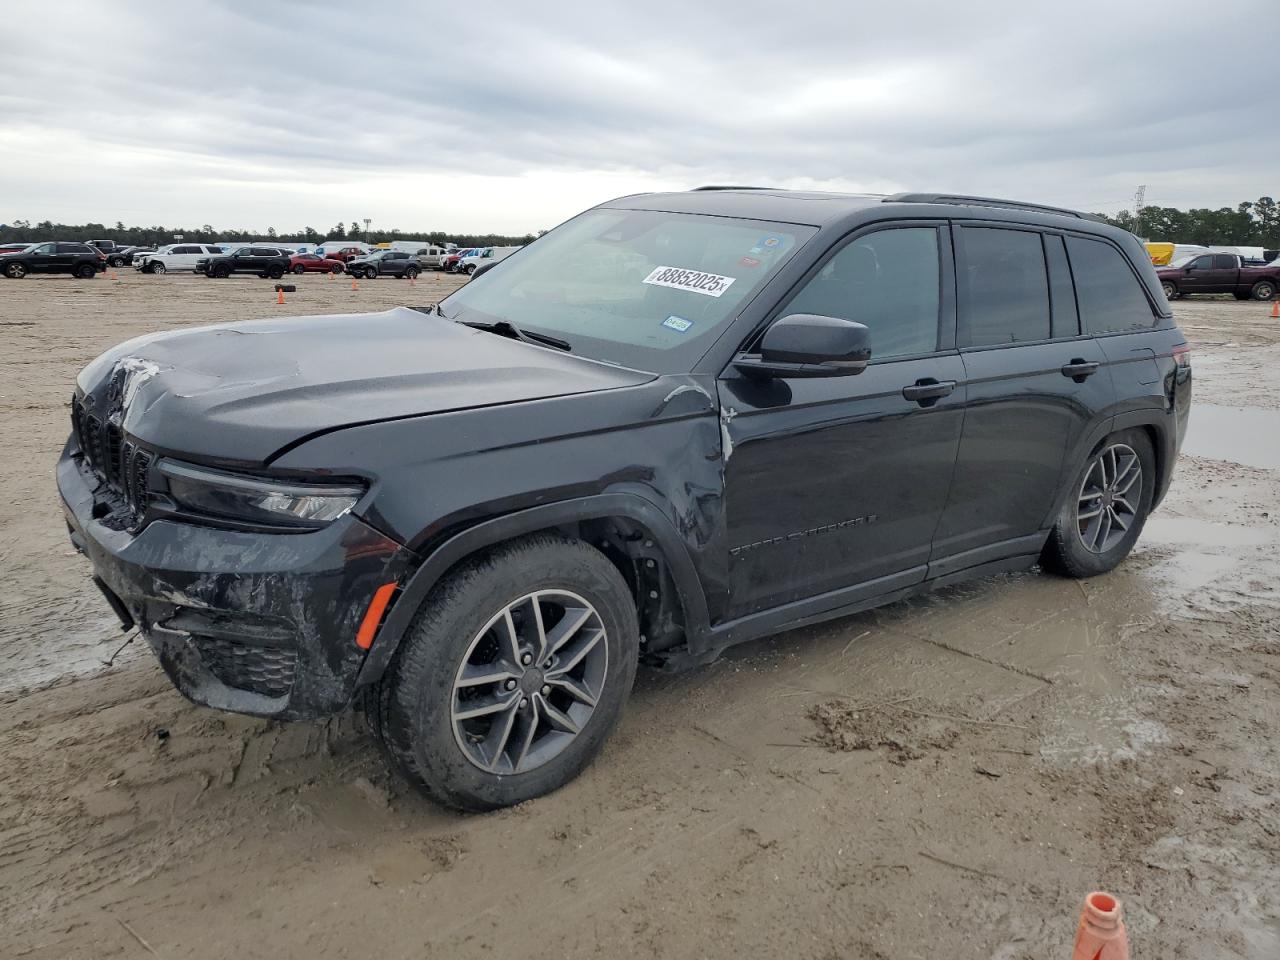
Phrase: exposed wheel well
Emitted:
{"points": [[638, 556]]}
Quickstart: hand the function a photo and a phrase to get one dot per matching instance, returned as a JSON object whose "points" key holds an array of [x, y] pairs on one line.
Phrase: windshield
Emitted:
{"points": [[641, 288]]}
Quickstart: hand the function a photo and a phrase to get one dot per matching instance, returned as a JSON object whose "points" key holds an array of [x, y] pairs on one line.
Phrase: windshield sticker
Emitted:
{"points": [[769, 244], [749, 262], [695, 281], [679, 324]]}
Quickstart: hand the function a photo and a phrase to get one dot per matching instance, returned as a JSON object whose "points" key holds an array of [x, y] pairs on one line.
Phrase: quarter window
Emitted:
{"points": [[887, 281], [1110, 297], [1004, 288]]}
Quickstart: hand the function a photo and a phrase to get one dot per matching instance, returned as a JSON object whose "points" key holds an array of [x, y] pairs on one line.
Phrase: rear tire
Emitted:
{"points": [[1103, 517], [86, 271], [539, 735], [116, 262], [1264, 290], [275, 273], [1170, 290], [299, 269]]}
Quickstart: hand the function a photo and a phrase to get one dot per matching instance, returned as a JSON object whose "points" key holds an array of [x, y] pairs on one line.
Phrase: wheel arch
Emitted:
{"points": [[629, 530]]}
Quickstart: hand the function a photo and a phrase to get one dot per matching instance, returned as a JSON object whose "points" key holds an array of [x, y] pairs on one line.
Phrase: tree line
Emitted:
{"points": [[1253, 223], [23, 230]]}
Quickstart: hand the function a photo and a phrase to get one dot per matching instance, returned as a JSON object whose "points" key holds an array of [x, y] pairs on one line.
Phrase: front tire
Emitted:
{"points": [[370, 273], [275, 273], [159, 268], [1105, 509], [411, 274], [1264, 290], [15, 271], [512, 675], [469, 269], [221, 272]]}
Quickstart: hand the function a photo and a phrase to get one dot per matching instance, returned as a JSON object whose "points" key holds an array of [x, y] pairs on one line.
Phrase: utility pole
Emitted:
{"points": [[1137, 208], [366, 231]]}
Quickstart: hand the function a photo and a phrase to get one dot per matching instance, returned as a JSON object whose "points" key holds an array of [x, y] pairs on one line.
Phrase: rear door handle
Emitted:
{"points": [[927, 391], [1080, 370]]}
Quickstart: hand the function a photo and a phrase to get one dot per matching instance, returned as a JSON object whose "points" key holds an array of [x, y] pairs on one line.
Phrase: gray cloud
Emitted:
{"points": [[309, 112]]}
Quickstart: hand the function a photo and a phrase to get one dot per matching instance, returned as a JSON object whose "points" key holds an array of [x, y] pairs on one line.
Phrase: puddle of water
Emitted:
{"points": [[1244, 435], [1205, 533]]}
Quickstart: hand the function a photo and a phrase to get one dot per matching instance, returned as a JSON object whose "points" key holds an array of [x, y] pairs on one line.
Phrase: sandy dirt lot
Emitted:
{"points": [[944, 777]]}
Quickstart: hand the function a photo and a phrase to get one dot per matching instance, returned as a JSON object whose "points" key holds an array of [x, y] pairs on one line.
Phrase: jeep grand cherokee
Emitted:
{"points": [[674, 423]]}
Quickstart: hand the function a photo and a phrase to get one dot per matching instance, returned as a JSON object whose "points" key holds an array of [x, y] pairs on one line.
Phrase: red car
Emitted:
{"points": [[311, 263]]}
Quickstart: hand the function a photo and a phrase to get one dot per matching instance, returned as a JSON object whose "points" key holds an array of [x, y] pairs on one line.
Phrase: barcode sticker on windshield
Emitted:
{"points": [[695, 281]]}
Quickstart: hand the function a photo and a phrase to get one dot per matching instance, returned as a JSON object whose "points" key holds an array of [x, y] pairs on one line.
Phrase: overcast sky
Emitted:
{"points": [[511, 117]]}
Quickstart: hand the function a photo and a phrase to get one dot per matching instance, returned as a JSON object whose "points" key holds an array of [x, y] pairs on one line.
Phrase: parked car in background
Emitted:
{"points": [[313, 263], [345, 253], [263, 261], [14, 247], [449, 264], [478, 258], [180, 257], [432, 256], [389, 263], [70, 257], [132, 253], [1220, 273]]}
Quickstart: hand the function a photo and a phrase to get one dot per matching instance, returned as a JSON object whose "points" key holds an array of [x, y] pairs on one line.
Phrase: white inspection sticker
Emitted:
{"points": [[695, 281]]}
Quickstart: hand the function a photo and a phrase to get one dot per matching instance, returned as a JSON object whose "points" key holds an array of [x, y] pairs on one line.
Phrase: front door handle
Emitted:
{"points": [[1080, 370], [927, 391]]}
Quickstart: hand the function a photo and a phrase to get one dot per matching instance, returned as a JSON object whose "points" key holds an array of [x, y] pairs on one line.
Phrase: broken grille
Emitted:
{"points": [[118, 464]]}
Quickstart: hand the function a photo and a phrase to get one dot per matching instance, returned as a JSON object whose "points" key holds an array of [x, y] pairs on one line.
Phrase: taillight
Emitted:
{"points": [[1182, 356]]}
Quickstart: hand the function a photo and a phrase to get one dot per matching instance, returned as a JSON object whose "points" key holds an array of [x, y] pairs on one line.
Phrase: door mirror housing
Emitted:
{"points": [[809, 345]]}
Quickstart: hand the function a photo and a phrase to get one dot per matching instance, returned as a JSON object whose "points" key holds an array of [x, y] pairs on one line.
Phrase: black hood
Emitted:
{"points": [[240, 392]]}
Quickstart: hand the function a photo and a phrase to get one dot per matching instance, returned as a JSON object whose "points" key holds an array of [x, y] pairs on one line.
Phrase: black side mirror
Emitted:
{"points": [[808, 345]]}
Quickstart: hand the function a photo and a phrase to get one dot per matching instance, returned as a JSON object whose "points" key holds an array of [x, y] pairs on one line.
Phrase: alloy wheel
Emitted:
{"points": [[1108, 499], [529, 682]]}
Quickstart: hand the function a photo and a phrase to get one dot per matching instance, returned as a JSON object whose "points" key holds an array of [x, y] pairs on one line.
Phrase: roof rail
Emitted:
{"points": [[729, 186], [987, 202]]}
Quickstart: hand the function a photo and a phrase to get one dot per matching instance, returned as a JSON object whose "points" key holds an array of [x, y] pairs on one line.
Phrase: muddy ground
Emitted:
{"points": [[944, 777]]}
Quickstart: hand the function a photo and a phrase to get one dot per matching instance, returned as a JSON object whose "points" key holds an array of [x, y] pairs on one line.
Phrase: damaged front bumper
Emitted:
{"points": [[258, 623]]}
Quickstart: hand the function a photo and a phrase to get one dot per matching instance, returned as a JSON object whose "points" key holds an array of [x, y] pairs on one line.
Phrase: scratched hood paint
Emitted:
{"points": [[242, 391]]}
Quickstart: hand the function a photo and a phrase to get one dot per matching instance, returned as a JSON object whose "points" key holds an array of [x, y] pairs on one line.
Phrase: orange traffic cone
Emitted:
{"points": [[1101, 935], [113, 275], [279, 295], [354, 285], [1275, 309]]}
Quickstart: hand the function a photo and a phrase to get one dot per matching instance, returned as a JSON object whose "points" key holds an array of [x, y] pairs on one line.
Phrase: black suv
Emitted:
{"points": [[674, 423], [262, 261], [390, 263], [78, 259]]}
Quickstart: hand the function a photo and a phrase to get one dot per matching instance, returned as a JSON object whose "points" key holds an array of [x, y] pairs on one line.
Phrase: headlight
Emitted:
{"points": [[254, 500]]}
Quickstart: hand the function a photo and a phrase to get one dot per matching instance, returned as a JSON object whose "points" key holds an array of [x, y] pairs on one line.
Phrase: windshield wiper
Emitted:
{"points": [[504, 328]]}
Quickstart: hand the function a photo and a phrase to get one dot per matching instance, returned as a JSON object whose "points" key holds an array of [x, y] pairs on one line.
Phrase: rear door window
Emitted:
{"points": [[1110, 296], [73, 248], [1224, 261], [1004, 287], [888, 281]]}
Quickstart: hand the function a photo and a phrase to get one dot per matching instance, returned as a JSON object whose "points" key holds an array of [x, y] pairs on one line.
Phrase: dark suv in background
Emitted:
{"points": [[387, 263], [260, 261], [77, 259], [672, 424]]}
